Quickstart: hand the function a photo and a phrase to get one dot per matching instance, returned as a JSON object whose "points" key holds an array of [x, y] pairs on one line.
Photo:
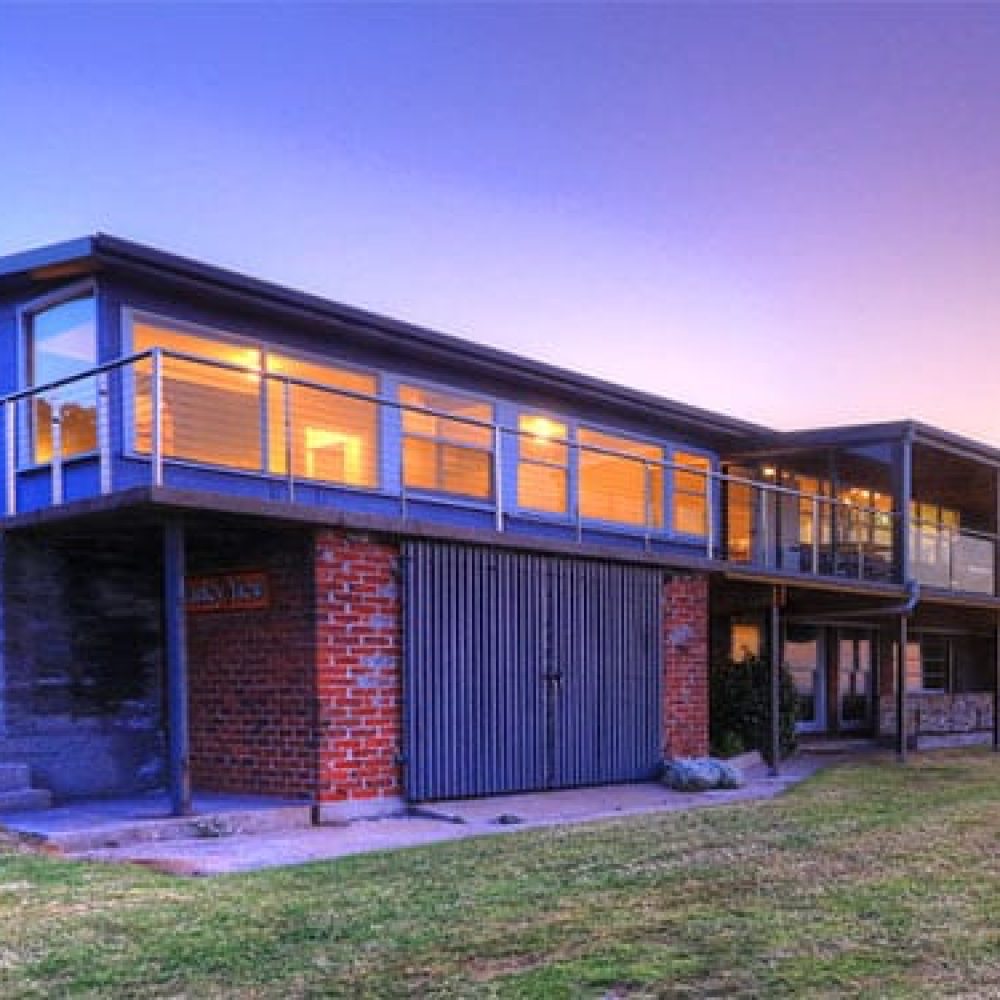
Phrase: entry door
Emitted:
{"points": [[527, 672], [806, 663], [854, 680]]}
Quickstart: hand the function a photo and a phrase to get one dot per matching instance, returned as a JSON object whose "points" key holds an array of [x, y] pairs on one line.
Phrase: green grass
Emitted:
{"points": [[869, 880]]}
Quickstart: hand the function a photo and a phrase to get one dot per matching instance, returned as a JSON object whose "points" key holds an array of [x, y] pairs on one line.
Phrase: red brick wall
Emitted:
{"points": [[685, 666], [251, 674], [358, 667]]}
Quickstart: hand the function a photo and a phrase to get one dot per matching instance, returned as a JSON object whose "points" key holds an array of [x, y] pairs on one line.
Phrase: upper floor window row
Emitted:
{"points": [[244, 406]]}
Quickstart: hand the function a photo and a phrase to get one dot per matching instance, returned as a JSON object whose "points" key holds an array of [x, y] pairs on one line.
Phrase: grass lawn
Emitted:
{"points": [[869, 880]]}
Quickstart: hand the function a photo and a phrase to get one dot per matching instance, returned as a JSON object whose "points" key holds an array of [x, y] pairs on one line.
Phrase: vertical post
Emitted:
{"points": [[156, 401], [815, 535], [578, 450], [901, 735], [764, 540], [402, 462], [647, 502], [996, 689], [176, 656], [709, 515], [104, 434], [287, 425], [10, 431], [777, 596], [905, 514], [498, 476], [57, 457]]}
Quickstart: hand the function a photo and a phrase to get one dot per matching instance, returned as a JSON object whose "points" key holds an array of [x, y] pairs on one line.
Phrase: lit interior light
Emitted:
{"points": [[542, 429], [769, 471]]}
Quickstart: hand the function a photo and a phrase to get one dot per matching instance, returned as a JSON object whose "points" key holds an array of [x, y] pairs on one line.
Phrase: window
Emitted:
{"points": [[543, 464], [745, 641], [209, 413], [61, 341], [332, 437], [449, 450], [691, 493], [621, 479], [928, 662]]}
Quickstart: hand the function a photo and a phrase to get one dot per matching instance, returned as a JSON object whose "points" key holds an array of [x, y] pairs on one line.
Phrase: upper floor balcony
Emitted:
{"points": [[284, 431]]}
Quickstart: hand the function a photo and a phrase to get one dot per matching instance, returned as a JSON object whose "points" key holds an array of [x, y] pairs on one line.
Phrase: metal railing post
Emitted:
{"points": [[156, 401], [10, 431], [104, 434], [286, 404], [579, 494], [764, 533], [402, 463], [498, 476], [815, 535], [647, 502], [57, 457], [709, 515]]}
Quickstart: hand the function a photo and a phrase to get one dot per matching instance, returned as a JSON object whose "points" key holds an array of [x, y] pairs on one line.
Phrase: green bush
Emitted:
{"points": [[740, 708]]}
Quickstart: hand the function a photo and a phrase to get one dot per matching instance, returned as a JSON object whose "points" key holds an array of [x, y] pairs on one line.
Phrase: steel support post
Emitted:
{"points": [[177, 674]]}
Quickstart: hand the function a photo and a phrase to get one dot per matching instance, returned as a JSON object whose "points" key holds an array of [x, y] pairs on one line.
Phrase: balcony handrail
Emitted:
{"points": [[949, 529], [490, 426]]}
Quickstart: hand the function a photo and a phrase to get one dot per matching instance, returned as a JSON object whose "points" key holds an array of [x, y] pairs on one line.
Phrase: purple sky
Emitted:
{"points": [[788, 213]]}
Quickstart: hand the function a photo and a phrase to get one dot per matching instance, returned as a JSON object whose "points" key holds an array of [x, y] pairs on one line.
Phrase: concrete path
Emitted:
{"points": [[440, 821]]}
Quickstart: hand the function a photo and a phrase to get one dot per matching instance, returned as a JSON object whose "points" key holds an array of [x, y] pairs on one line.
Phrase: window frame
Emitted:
{"points": [[604, 524], [24, 312], [570, 468], [439, 495], [711, 495], [130, 313]]}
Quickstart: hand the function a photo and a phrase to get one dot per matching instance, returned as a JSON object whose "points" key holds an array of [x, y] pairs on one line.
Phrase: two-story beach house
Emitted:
{"points": [[257, 541]]}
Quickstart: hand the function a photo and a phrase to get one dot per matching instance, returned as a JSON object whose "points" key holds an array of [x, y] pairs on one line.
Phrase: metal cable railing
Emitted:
{"points": [[166, 410]]}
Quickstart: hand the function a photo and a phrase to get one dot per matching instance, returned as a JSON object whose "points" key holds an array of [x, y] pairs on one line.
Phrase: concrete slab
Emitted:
{"points": [[435, 823], [96, 823]]}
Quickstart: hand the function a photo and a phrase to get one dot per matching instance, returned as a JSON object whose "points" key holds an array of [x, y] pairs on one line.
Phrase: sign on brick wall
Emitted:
{"points": [[242, 591]]}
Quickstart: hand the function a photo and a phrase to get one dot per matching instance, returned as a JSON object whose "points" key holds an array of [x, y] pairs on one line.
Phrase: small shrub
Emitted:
{"points": [[740, 707]]}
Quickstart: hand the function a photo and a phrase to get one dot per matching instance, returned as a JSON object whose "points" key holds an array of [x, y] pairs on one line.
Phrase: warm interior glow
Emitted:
{"points": [[543, 476], [346, 449]]}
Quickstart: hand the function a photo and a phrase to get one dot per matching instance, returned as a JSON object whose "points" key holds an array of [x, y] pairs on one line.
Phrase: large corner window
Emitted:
{"points": [[447, 443], [621, 479], [328, 435], [60, 342], [690, 513], [209, 413], [543, 464]]}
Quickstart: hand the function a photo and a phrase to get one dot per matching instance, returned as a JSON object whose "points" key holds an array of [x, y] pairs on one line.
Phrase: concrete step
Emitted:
{"points": [[25, 799], [14, 777], [88, 833]]}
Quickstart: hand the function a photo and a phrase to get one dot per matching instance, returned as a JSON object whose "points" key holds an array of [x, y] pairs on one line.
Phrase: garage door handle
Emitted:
{"points": [[554, 678]]}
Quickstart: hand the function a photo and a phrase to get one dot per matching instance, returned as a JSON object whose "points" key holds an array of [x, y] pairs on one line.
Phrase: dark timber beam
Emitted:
{"points": [[777, 600], [996, 689], [179, 763], [901, 690]]}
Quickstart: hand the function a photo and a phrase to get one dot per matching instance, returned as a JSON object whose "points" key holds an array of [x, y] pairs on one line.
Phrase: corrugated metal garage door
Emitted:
{"points": [[527, 672]]}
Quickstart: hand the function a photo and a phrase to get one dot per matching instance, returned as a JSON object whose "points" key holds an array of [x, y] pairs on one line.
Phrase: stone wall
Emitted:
{"points": [[82, 663], [935, 715]]}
